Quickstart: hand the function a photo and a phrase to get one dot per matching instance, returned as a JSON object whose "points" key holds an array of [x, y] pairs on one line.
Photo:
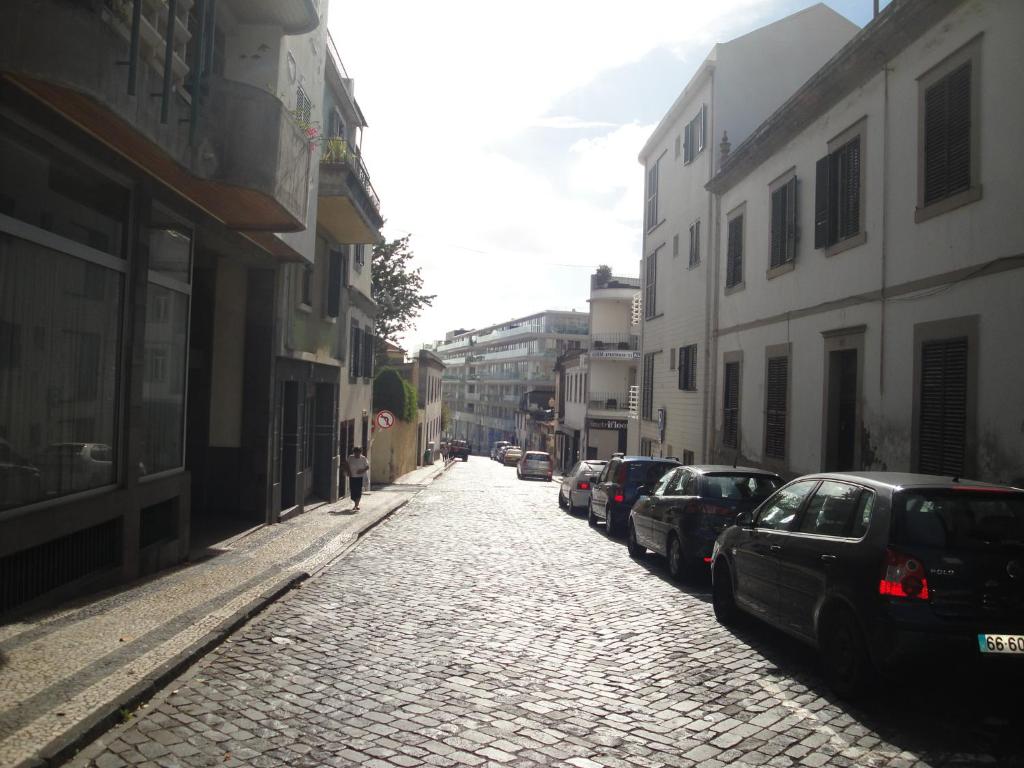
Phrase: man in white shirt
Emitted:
{"points": [[356, 467]]}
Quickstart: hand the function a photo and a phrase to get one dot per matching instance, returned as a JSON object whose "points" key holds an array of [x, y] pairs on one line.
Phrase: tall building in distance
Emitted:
{"points": [[488, 371]]}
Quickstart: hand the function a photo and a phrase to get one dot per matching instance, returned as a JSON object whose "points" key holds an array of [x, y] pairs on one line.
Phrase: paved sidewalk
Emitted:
{"points": [[65, 676]]}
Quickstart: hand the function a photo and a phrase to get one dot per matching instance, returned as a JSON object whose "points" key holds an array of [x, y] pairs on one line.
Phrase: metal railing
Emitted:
{"points": [[609, 401], [614, 341], [337, 150]]}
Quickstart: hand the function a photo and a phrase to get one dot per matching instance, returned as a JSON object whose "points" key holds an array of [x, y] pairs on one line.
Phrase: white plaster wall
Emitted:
{"points": [[605, 440], [611, 315], [609, 375]]}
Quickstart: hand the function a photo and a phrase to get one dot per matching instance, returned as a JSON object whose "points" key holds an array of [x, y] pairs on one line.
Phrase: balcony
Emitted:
{"points": [[235, 151], [349, 208], [611, 402], [614, 341], [295, 17]]}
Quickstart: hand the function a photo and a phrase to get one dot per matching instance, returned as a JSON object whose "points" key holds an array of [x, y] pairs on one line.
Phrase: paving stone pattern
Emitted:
{"points": [[483, 626]]}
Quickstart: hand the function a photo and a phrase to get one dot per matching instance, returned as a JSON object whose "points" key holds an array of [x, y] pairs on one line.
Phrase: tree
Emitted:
{"points": [[397, 289], [602, 276]]}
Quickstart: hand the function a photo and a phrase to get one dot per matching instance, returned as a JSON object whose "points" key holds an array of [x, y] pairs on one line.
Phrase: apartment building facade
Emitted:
{"points": [[159, 176], [489, 370], [868, 272], [729, 95]]}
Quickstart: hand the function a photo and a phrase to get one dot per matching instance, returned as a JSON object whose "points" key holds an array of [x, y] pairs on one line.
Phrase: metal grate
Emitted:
{"points": [[942, 433], [33, 572]]}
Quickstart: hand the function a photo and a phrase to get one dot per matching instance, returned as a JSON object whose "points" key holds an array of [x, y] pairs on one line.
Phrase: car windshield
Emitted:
{"points": [[739, 486], [645, 472], [959, 519]]}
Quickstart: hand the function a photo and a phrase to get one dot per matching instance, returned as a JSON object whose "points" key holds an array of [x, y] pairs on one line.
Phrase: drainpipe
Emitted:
{"points": [[885, 233], [705, 453]]}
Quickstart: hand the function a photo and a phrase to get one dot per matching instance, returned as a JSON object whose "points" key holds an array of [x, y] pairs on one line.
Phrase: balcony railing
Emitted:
{"points": [[609, 401], [615, 341], [336, 151]]}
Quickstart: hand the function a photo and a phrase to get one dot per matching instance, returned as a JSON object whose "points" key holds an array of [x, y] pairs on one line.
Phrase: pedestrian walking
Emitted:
{"points": [[356, 467]]}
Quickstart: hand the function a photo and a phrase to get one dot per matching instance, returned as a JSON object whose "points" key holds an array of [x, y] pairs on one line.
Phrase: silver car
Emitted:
{"points": [[536, 464], [574, 494]]}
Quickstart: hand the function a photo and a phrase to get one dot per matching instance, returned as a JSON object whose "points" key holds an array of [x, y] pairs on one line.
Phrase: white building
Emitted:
{"points": [[736, 87], [489, 370], [868, 271]]}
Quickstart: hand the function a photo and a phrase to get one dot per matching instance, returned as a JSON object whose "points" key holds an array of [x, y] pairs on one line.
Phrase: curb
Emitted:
{"points": [[82, 733]]}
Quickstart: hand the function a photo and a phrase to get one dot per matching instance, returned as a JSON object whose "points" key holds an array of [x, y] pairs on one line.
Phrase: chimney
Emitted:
{"points": [[724, 147]]}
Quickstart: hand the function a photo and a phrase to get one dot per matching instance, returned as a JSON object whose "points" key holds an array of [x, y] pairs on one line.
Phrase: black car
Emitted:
{"points": [[618, 488], [682, 516], [878, 569], [459, 449]]}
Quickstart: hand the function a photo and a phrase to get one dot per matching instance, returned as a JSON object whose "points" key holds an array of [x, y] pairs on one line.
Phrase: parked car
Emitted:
{"points": [[496, 448], [68, 467], [574, 492], [878, 568], [535, 464], [459, 449], [618, 488], [511, 456], [682, 516]]}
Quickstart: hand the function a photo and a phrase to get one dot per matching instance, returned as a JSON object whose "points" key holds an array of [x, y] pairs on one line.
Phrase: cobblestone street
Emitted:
{"points": [[482, 625]]}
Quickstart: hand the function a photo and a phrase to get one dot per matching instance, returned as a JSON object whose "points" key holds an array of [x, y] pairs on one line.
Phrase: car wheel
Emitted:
{"points": [[845, 657], [610, 526], [561, 499], [674, 556], [591, 517], [632, 545], [723, 599]]}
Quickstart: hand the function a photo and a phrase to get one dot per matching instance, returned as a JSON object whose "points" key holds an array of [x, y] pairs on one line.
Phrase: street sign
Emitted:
{"points": [[384, 419]]}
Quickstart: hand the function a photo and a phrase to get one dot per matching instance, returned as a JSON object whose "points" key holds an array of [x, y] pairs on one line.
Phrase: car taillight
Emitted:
{"points": [[618, 498], [903, 576], [583, 485]]}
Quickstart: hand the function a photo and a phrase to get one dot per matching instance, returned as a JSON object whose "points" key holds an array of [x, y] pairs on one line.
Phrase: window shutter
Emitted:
{"points": [[334, 281], [367, 367], [775, 412], [734, 255], [959, 141], [692, 368], [688, 143], [730, 405], [791, 219], [355, 353], [821, 206], [848, 202], [942, 427], [703, 126], [778, 225]]}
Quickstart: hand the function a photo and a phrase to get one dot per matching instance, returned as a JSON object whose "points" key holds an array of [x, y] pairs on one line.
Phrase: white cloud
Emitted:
{"points": [[445, 84]]}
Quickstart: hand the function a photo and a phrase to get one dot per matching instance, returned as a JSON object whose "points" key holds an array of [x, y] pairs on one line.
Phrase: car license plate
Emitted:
{"points": [[1001, 643]]}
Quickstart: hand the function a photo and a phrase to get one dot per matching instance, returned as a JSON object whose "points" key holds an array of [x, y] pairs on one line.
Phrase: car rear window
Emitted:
{"points": [[530, 456], [959, 519], [645, 472], [739, 486]]}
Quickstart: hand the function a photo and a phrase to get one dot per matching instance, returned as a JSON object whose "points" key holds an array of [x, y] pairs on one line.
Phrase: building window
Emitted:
{"points": [[335, 282], [734, 253], [688, 368], [695, 243], [356, 358], [783, 223], [942, 420], [359, 255], [652, 195], [693, 135], [688, 457], [306, 285], [672, 359], [675, 245], [367, 349], [838, 184], [651, 286], [776, 402], [647, 397], [646, 446], [948, 130], [303, 107], [731, 405]]}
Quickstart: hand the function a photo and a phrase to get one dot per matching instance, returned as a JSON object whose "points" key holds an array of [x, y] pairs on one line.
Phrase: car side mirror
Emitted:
{"points": [[745, 520]]}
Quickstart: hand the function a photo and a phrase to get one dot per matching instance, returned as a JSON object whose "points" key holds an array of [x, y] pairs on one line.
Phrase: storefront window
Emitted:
{"points": [[60, 319], [166, 346]]}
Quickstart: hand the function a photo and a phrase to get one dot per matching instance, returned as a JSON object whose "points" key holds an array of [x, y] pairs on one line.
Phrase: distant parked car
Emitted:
{"points": [[574, 492], [682, 516], [879, 568], [511, 456], [618, 488], [69, 467], [496, 448], [536, 464], [459, 449], [20, 481]]}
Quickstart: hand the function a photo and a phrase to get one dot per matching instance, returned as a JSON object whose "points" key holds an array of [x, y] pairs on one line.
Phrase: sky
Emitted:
{"points": [[503, 137]]}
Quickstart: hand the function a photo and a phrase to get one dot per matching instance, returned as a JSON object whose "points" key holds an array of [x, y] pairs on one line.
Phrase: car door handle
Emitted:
{"points": [[828, 558], [775, 548]]}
